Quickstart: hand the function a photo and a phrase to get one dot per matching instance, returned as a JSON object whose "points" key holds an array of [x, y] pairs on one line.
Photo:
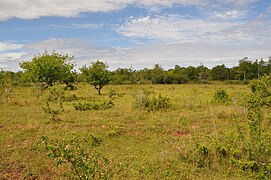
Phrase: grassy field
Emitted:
{"points": [[137, 144]]}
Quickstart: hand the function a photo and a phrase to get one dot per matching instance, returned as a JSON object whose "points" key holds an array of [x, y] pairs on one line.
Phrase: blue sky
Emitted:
{"points": [[137, 34]]}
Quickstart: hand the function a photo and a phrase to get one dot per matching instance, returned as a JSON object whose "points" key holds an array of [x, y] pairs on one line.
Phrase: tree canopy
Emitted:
{"points": [[48, 68], [96, 74]]}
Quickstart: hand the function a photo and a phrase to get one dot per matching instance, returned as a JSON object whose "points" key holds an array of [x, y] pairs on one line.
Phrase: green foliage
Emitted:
{"points": [[221, 96], [94, 105], [123, 76], [56, 94], [220, 72], [48, 68], [150, 102], [202, 149], [53, 112], [247, 69], [262, 91], [80, 154], [96, 74], [38, 90], [9, 78], [202, 155], [112, 93]]}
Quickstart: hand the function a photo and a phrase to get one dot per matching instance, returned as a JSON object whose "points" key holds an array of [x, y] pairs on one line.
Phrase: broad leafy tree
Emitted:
{"points": [[192, 73], [247, 69], [124, 76], [48, 68], [220, 72], [96, 74]]}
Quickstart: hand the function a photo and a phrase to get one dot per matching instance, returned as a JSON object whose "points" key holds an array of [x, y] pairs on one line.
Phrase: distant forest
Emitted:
{"points": [[245, 70]]}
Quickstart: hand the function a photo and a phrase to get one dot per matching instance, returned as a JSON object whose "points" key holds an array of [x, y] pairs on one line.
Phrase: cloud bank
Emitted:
{"points": [[31, 9]]}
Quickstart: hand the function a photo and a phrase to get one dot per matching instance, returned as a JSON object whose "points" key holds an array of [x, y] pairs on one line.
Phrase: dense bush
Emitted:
{"points": [[151, 102], [94, 105], [221, 96]]}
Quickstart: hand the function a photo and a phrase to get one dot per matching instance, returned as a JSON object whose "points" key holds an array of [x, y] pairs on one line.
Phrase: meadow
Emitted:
{"points": [[192, 137]]}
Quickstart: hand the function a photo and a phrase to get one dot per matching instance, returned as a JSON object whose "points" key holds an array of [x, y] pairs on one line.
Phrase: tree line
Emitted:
{"points": [[49, 68]]}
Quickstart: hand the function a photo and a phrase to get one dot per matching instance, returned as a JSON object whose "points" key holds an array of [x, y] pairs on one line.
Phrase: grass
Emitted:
{"points": [[140, 145]]}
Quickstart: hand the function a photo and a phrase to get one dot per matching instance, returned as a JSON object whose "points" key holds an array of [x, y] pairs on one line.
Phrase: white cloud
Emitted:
{"points": [[237, 2], [8, 60], [83, 51], [231, 14], [9, 52], [5, 46], [174, 29], [30, 9], [141, 56], [78, 26]]}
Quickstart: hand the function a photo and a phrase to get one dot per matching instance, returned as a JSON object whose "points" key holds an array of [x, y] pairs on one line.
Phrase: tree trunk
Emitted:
{"points": [[98, 88]]}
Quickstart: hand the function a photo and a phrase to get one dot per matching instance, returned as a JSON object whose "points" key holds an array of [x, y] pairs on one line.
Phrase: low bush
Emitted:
{"points": [[56, 94], [80, 154], [221, 96], [94, 105], [151, 102], [53, 112]]}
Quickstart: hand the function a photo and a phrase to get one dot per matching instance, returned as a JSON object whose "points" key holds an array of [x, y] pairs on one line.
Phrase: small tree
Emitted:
{"points": [[96, 74], [48, 68]]}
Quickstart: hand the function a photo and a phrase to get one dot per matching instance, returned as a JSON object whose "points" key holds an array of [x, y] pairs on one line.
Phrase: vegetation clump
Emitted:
{"points": [[94, 105], [151, 102], [221, 96], [53, 112], [80, 154]]}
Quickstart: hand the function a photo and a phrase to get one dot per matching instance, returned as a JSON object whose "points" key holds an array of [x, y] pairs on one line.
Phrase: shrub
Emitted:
{"points": [[221, 96], [54, 113], [94, 105], [80, 154], [56, 93], [38, 90], [112, 93], [149, 102], [261, 89]]}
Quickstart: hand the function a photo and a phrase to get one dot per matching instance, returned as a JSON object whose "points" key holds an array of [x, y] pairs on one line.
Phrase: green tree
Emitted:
{"points": [[203, 72], [192, 73], [48, 68], [96, 74], [124, 76], [247, 69], [157, 74], [220, 72], [145, 75]]}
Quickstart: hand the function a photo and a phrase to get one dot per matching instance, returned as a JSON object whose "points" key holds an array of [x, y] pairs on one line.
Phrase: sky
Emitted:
{"points": [[136, 34]]}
